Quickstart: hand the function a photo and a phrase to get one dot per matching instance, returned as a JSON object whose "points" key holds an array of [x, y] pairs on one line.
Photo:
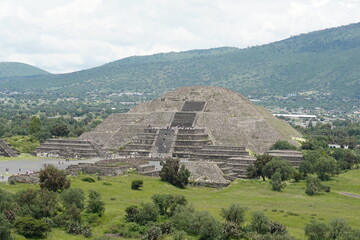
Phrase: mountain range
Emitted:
{"points": [[325, 62]]}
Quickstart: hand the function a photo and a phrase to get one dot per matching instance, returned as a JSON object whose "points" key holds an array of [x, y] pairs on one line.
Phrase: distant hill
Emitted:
{"points": [[16, 69], [325, 62]]}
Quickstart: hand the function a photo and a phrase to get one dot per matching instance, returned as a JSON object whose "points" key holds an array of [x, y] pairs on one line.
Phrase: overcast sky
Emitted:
{"points": [[68, 35]]}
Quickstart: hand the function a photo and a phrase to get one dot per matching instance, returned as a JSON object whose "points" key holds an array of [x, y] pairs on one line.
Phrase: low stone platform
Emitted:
{"points": [[71, 148], [293, 156]]}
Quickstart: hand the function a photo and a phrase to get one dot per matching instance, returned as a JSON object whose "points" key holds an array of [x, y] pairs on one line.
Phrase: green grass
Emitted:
{"points": [[291, 207], [22, 156]]}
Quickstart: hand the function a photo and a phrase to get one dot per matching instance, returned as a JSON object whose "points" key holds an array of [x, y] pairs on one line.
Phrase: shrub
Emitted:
{"points": [[73, 196], [338, 227], [231, 230], [276, 182], [30, 227], [136, 184], [168, 202], [148, 212], [88, 179], [314, 186], [107, 183], [282, 145], [316, 230], [277, 228], [179, 235], [5, 233], [260, 223], [235, 213], [153, 233], [53, 179], [95, 204]]}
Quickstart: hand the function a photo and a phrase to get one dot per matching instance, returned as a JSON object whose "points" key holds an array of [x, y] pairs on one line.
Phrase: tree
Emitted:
{"points": [[282, 145], [30, 227], [260, 223], [338, 227], [235, 213], [60, 130], [35, 125], [316, 230], [257, 169], [136, 184], [284, 167], [153, 233], [314, 186], [172, 173], [5, 233], [167, 203], [276, 182], [73, 196], [325, 167], [53, 179], [95, 204]]}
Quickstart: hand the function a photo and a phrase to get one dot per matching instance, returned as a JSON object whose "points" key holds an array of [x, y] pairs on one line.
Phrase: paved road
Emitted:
{"points": [[349, 194], [21, 166]]}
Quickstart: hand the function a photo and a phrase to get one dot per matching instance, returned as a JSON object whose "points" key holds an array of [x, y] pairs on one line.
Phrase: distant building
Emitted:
{"points": [[334, 145], [303, 116]]}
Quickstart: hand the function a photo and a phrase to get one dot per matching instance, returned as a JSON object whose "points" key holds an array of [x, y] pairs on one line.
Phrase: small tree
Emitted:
{"points": [[136, 184], [153, 233], [276, 182], [60, 130], [260, 223], [316, 230], [167, 203], [173, 174], [313, 186], [279, 165], [95, 204], [53, 179], [35, 125], [73, 196], [30, 227], [325, 167], [338, 228], [235, 213], [261, 161], [5, 233]]}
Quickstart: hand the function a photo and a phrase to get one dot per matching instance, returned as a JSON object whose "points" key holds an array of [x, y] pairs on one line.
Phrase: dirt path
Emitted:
{"points": [[349, 194]]}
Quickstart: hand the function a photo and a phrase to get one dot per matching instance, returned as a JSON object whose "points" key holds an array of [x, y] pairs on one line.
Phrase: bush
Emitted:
{"points": [[282, 145], [260, 223], [73, 196], [95, 204], [153, 233], [231, 230], [148, 212], [136, 184], [88, 179], [316, 230], [53, 179], [179, 235], [276, 182], [5, 233], [167, 203], [314, 186], [235, 213], [30, 227]]}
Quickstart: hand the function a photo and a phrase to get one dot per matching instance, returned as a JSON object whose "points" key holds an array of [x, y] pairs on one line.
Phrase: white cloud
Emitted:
{"points": [[68, 35]]}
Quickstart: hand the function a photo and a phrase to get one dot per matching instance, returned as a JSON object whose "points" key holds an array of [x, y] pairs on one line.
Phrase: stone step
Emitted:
{"points": [[222, 152], [192, 136], [192, 142], [223, 148], [226, 170], [193, 106], [183, 119], [191, 131]]}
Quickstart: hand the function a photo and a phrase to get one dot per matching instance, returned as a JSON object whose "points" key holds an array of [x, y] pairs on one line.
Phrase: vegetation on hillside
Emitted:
{"points": [[323, 63]]}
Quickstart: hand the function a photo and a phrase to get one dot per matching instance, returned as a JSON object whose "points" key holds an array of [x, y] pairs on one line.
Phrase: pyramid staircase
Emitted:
{"points": [[6, 150]]}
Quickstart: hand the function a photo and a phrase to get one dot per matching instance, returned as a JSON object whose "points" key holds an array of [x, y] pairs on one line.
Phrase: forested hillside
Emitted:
{"points": [[15, 69], [324, 64]]}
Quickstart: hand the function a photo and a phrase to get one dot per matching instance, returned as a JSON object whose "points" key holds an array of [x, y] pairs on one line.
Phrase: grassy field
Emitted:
{"points": [[291, 207]]}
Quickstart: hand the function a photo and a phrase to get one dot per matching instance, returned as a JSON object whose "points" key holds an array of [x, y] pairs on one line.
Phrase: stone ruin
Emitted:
{"points": [[199, 124], [6, 150], [71, 148]]}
